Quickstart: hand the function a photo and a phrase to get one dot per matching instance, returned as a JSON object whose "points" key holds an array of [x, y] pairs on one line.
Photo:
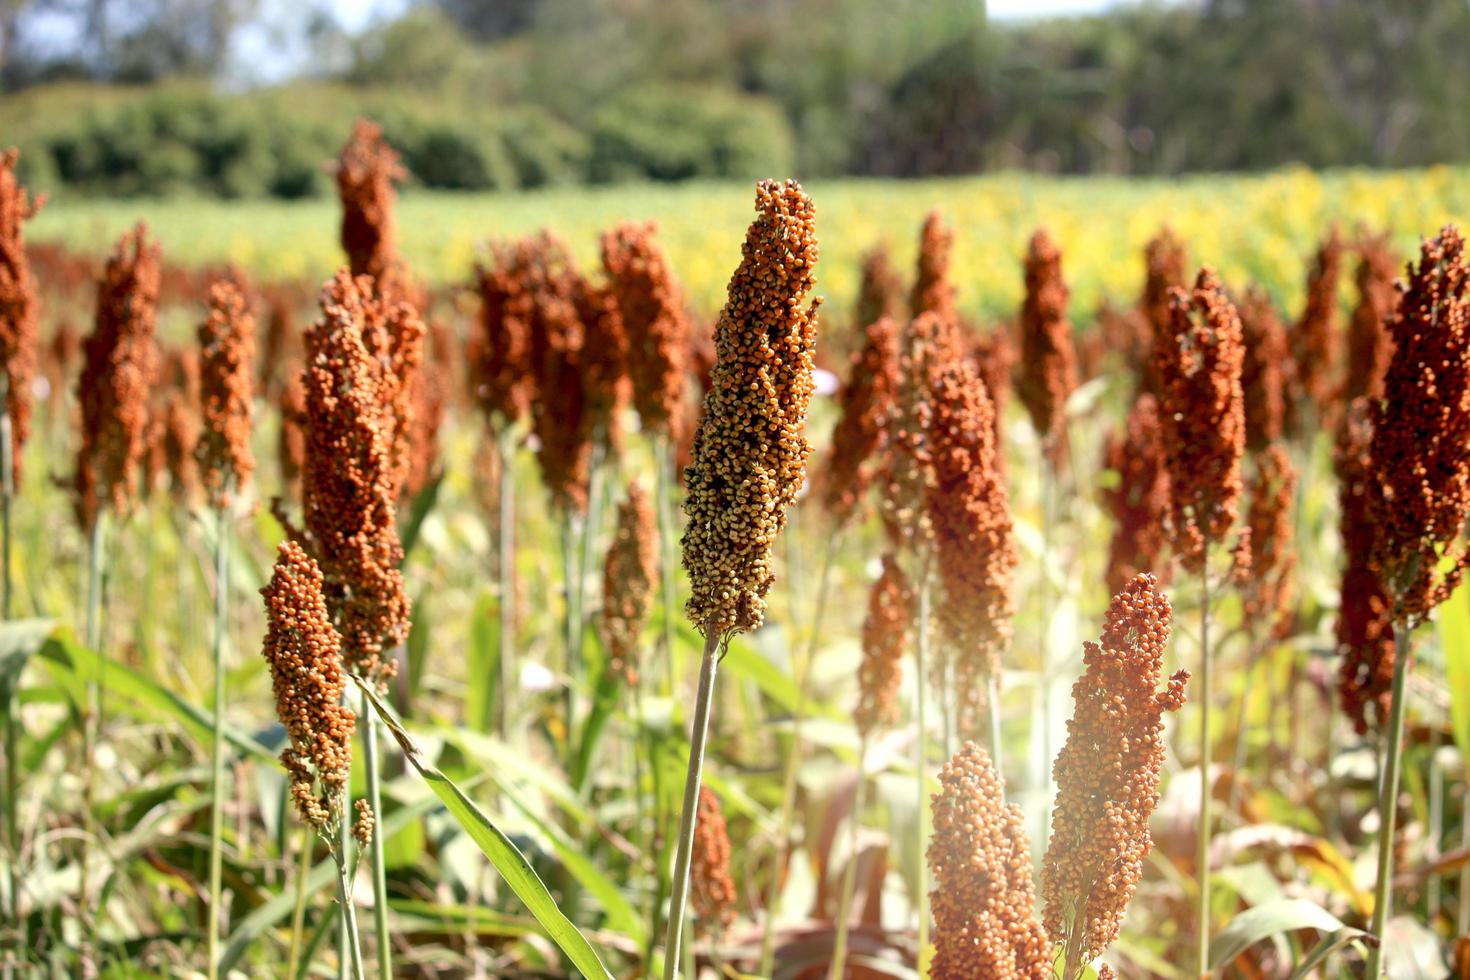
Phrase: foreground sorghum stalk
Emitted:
{"points": [[890, 611], [19, 309], [1419, 468], [750, 453], [980, 859], [226, 362], [1199, 363], [1107, 776], [304, 652]]}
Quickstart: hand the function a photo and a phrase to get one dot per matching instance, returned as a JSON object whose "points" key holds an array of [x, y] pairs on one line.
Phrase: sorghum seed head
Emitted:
{"points": [[1265, 371], [750, 448], [304, 653], [20, 306], [1165, 270], [500, 350], [933, 292], [712, 890], [116, 379], [880, 288], [657, 327], [1420, 448], [1369, 346], [628, 581], [1202, 408], [227, 358], [604, 360], [1048, 359], [908, 468], [1316, 332], [890, 610], [1139, 501], [866, 403], [1107, 773], [983, 900], [349, 480], [366, 172], [1267, 593]]}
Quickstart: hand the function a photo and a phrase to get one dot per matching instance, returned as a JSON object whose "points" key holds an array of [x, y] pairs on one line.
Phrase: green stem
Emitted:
{"points": [[298, 915], [506, 575], [703, 701], [1202, 842], [573, 626], [351, 949], [800, 670], [12, 728], [921, 654], [664, 467], [375, 847], [1388, 799], [91, 725], [1048, 494], [849, 876], [217, 756]]}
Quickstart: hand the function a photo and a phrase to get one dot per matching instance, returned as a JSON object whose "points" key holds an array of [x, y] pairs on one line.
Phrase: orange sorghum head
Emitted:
{"points": [[1202, 409], [349, 486], [750, 448], [181, 432], [304, 653], [291, 440], [499, 352], [1107, 773], [1369, 345], [20, 305], [995, 355], [1364, 610], [1165, 270], [114, 385], [908, 468], [628, 578], [933, 292], [866, 402], [1268, 592], [604, 360], [1048, 359], [1317, 341], [890, 609], [1265, 371], [880, 288], [983, 900], [430, 403], [226, 360], [1139, 501], [970, 513], [712, 890], [657, 326], [366, 171], [1420, 448]]}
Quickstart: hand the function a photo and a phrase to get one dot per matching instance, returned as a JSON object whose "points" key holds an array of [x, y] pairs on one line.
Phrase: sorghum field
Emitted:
{"points": [[547, 586]]}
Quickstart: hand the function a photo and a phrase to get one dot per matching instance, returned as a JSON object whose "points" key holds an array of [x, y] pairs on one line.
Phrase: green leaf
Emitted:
{"points": [[1454, 635], [74, 662], [19, 641], [423, 504], [1274, 918], [484, 665], [1329, 944], [502, 853]]}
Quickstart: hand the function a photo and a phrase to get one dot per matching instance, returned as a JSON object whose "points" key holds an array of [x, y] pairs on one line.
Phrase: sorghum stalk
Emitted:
{"points": [[375, 846], [921, 745], [1202, 842], [506, 572], [663, 462], [351, 944], [298, 914], [12, 732], [849, 875], [1388, 798], [703, 701], [217, 752]]}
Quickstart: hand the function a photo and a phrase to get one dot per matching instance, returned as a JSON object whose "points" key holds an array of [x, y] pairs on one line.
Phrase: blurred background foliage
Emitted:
{"points": [[247, 98]]}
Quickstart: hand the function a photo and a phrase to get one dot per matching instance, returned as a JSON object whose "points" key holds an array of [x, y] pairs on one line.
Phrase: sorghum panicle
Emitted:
{"points": [[291, 439], [1048, 361], [430, 403], [933, 292], [366, 172], [1365, 610], [560, 419], [20, 306], [907, 470], [712, 890], [1202, 408], [1369, 345], [880, 288], [226, 360], [304, 653], [1107, 773], [866, 402], [1165, 270], [180, 437], [1268, 593], [983, 900], [499, 351], [116, 379], [657, 326], [604, 359], [750, 448], [628, 579], [1139, 501], [349, 480], [885, 630], [1317, 338], [1265, 371], [1420, 448], [969, 510]]}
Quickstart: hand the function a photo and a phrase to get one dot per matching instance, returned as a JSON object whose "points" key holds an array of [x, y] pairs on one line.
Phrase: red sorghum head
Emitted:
{"points": [[1268, 593], [1048, 360], [880, 288], [1139, 501], [885, 630], [711, 888], [1265, 371], [628, 579], [366, 172], [20, 306], [1369, 345], [226, 362], [1317, 342], [866, 402], [656, 324], [933, 292]]}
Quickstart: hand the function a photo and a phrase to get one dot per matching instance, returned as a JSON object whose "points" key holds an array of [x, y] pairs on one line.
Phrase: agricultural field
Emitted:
{"points": [[1039, 606]]}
